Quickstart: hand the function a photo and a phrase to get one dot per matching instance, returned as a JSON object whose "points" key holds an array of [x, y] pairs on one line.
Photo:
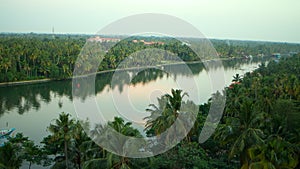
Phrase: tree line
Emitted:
{"points": [[38, 56]]}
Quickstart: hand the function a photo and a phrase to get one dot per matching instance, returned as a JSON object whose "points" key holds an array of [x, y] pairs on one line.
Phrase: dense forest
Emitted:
{"points": [[40, 56], [259, 129]]}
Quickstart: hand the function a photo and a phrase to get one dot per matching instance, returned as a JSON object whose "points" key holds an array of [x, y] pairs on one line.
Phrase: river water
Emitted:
{"points": [[31, 108]]}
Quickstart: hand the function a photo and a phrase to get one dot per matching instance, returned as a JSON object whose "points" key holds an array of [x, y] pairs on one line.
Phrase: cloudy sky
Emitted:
{"points": [[272, 20]]}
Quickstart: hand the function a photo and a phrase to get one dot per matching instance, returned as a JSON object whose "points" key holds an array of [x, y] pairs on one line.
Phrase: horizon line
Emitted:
{"points": [[210, 38]]}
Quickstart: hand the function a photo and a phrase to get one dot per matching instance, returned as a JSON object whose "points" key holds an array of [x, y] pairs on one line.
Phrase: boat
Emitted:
{"points": [[6, 133]]}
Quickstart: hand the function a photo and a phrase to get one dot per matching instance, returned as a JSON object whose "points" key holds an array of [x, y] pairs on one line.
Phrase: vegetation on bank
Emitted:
{"points": [[259, 129], [38, 56]]}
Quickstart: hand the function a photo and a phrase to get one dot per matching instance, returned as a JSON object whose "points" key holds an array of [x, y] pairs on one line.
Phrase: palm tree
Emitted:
{"points": [[156, 122], [125, 128], [11, 152], [62, 130], [172, 119], [275, 153], [242, 132], [32, 153], [175, 100], [18, 149], [116, 144], [237, 78], [10, 156], [163, 116], [234, 98], [79, 141]]}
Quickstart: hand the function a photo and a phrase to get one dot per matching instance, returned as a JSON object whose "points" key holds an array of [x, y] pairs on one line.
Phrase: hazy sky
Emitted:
{"points": [[273, 20]]}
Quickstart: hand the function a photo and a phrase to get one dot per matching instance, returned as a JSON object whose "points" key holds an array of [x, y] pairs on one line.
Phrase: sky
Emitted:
{"points": [[265, 20]]}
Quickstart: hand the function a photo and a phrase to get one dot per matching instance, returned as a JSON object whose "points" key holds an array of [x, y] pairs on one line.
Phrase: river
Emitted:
{"points": [[31, 108]]}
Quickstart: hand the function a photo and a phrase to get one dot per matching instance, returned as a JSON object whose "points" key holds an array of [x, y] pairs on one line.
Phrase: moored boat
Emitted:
{"points": [[6, 133]]}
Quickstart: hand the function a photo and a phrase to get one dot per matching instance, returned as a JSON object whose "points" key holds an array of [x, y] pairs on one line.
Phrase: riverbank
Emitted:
{"points": [[26, 82]]}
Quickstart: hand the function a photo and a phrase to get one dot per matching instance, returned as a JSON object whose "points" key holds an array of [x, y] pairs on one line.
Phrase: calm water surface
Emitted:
{"points": [[31, 108]]}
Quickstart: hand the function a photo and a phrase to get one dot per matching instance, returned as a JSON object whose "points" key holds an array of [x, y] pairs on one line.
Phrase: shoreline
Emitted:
{"points": [[38, 81], [23, 82]]}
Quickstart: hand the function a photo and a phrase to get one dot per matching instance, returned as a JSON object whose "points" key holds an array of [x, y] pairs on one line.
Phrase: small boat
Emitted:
{"points": [[6, 133]]}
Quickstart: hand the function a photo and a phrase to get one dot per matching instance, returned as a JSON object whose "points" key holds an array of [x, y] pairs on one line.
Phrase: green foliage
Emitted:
{"points": [[18, 149], [275, 153], [38, 56], [163, 116], [67, 140], [11, 157], [184, 155], [260, 123], [259, 129]]}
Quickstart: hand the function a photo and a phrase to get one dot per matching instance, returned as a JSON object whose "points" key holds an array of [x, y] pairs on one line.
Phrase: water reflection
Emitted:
{"points": [[23, 98], [27, 97]]}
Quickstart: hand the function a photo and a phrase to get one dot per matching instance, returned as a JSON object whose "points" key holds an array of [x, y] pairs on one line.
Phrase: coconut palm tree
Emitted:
{"points": [[275, 153], [172, 119], [62, 130], [18, 149], [155, 122], [242, 132], [79, 138], [33, 154], [109, 159], [163, 116], [10, 156], [175, 100], [237, 78]]}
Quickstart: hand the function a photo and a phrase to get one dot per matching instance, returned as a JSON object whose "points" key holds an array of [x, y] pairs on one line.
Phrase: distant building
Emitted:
{"points": [[101, 40], [147, 43]]}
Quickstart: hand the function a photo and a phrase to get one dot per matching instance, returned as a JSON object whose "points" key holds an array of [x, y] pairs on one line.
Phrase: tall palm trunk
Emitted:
{"points": [[244, 159], [78, 159], [66, 153]]}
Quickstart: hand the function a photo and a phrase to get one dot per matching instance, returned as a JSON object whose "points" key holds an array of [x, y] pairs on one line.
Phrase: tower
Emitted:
{"points": [[53, 33]]}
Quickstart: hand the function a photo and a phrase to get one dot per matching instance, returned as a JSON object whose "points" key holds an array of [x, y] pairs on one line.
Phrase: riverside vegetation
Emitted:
{"points": [[259, 129], [42, 56]]}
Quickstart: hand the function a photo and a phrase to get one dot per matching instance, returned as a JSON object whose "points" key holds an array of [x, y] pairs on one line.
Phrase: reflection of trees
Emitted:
{"points": [[147, 75], [102, 80], [235, 63], [119, 79], [18, 98], [184, 69], [26, 97], [196, 68]]}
